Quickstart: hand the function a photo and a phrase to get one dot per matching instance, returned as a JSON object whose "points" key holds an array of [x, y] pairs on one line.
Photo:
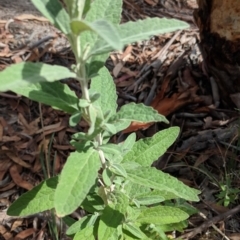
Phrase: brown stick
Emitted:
{"points": [[210, 222]]}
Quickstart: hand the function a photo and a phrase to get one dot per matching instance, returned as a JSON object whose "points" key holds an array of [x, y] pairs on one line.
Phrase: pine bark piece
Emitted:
{"points": [[219, 25]]}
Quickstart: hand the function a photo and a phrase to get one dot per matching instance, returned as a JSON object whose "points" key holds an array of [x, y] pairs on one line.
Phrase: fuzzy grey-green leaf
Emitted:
{"points": [[142, 29], [147, 150], [104, 84], [155, 179], [160, 215], [39, 199], [139, 113], [22, 74], [77, 177], [55, 94]]}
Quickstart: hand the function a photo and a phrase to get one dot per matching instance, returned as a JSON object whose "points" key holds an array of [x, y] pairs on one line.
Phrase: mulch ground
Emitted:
{"points": [[166, 72]]}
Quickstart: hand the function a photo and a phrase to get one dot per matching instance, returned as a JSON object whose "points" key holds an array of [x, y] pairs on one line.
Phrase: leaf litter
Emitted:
{"points": [[165, 72]]}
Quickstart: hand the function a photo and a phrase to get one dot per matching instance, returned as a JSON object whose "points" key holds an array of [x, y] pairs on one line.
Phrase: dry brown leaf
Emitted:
{"points": [[5, 234], [234, 236], [28, 128], [9, 186], [17, 178], [126, 54], [152, 2], [25, 233], [117, 69], [17, 160], [201, 159], [31, 17], [6, 139], [17, 223], [4, 166]]}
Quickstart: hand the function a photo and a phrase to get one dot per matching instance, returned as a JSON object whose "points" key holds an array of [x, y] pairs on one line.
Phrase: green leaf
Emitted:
{"points": [[115, 127], [93, 203], [155, 179], [55, 94], [129, 142], [101, 27], [78, 176], [118, 169], [147, 150], [112, 152], [152, 197], [142, 29], [134, 190], [55, 13], [179, 226], [76, 9], [39, 199], [161, 215], [109, 221], [110, 11], [106, 175], [84, 222], [134, 230], [104, 84], [138, 113], [69, 221], [112, 216], [79, 225], [75, 119], [86, 7], [86, 233], [22, 74]]}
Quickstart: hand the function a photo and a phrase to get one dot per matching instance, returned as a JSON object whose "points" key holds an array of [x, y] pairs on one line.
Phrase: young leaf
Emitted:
{"points": [[112, 152], [116, 126], [138, 113], [127, 145], [106, 175], [147, 150], [137, 31], [102, 28], [155, 179], [104, 84], [77, 177], [22, 74], [118, 169], [134, 230], [75, 119], [39, 199], [110, 11], [161, 215], [55, 13]]}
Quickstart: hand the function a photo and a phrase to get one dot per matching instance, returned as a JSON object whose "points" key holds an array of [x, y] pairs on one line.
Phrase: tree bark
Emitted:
{"points": [[219, 26]]}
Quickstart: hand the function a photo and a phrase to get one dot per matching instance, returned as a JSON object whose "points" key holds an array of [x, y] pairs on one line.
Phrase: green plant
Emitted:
{"points": [[124, 198], [227, 194]]}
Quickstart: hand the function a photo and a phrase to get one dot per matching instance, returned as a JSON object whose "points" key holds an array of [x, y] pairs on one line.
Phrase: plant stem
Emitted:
{"points": [[82, 78], [98, 138]]}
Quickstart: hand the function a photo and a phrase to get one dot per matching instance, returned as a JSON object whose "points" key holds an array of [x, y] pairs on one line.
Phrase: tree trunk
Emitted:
{"points": [[219, 26]]}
